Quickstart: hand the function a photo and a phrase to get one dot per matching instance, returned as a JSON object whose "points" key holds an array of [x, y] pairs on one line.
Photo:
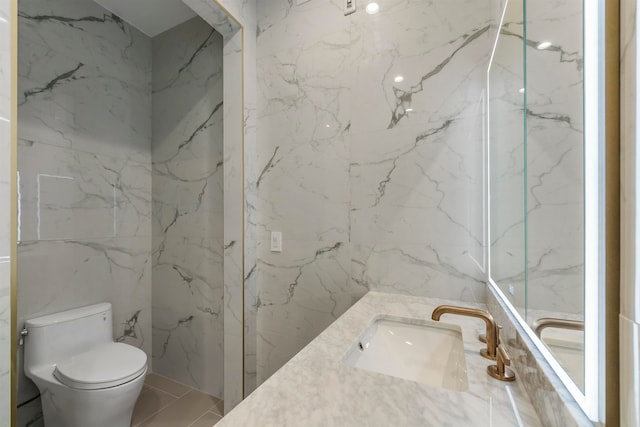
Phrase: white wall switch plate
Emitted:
{"points": [[276, 241], [349, 7]]}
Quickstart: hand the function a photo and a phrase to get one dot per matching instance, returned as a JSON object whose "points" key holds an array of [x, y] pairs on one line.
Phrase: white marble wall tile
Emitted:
{"points": [[215, 16], [72, 194], [5, 153], [284, 25], [60, 99], [304, 91], [555, 205], [188, 313], [411, 185], [76, 273], [251, 173], [317, 172], [188, 206], [440, 50], [417, 269], [301, 291], [339, 162], [85, 166], [506, 156], [629, 357], [59, 26], [239, 51]]}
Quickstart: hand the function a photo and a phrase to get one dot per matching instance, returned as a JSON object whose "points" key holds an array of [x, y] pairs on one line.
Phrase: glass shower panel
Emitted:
{"points": [[507, 157], [555, 184]]}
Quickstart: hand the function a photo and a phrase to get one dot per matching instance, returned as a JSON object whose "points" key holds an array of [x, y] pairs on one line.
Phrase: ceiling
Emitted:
{"points": [[152, 17]]}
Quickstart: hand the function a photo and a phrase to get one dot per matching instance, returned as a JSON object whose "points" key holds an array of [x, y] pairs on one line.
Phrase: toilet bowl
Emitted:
{"points": [[84, 378]]}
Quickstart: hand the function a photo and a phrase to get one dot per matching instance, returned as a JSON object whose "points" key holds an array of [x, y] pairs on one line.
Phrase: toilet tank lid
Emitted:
{"points": [[105, 365], [68, 315]]}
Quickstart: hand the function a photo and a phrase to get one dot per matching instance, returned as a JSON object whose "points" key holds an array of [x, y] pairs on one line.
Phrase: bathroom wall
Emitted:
{"points": [[236, 21], [84, 165], [188, 214], [374, 183], [5, 205]]}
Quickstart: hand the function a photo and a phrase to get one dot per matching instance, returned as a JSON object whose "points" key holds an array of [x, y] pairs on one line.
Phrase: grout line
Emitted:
{"points": [[162, 408], [171, 381], [166, 392], [203, 415], [214, 409]]}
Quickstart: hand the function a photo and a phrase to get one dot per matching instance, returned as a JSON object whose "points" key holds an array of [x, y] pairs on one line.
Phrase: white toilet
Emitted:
{"points": [[84, 377]]}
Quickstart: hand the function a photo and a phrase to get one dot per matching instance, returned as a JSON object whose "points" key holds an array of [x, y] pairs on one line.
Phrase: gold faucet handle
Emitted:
{"points": [[500, 371]]}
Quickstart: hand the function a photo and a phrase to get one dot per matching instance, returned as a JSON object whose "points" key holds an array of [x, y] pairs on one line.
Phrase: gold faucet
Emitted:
{"points": [[552, 322], [499, 371], [490, 351]]}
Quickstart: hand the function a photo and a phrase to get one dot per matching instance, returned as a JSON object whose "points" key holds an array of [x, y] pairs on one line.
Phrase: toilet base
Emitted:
{"points": [[63, 406]]}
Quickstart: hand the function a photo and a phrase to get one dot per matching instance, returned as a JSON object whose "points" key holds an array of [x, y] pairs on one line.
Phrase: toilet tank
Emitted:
{"points": [[56, 337]]}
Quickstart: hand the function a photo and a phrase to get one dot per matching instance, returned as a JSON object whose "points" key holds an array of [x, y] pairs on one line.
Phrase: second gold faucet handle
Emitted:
{"points": [[503, 355], [500, 371]]}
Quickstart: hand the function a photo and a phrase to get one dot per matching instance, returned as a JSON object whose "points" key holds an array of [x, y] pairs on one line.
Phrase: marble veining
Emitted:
{"points": [[316, 388], [84, 100], [188, 206], [551, 146], [555, 205], [389, 170]]}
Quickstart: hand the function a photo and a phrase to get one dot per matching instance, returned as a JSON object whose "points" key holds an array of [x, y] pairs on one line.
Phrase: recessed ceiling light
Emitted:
{"points": [[398, 79], [372, 8], [521, 90], [543, 45], [327, 125], [408, 110]]}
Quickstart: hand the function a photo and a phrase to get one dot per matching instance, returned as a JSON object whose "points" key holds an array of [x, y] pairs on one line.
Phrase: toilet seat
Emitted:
{"points": [[104, 366]]}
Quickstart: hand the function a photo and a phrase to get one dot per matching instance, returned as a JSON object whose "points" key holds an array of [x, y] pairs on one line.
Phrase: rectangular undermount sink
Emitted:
{"points": [[419, 350]]}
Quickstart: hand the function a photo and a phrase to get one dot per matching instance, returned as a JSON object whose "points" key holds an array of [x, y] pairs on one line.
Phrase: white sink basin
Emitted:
{"points": [[423, 351]]}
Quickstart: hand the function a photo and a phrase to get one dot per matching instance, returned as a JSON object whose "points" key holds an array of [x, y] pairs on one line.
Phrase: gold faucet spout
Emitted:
{"points": [[490, 351]]}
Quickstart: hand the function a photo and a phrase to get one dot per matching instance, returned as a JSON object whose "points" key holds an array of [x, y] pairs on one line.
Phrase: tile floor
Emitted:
{"points": [[166, 403]]}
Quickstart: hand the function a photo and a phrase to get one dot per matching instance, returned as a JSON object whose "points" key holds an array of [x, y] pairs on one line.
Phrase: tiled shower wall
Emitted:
{"points": [[188, 212], [5, 205], [375, 183], [84, 165]]}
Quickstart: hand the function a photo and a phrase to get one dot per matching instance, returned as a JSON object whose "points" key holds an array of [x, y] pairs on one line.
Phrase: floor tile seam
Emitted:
{"points": [[202, 416], [166, 392], [189, 388], [162, 408]]}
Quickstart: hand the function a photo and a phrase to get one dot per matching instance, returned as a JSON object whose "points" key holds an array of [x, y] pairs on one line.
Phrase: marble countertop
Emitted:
{"points": [[315, 388]]}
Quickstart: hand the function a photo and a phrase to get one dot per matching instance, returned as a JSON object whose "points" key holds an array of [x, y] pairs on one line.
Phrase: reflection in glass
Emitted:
{"points": [[536, 158]]}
